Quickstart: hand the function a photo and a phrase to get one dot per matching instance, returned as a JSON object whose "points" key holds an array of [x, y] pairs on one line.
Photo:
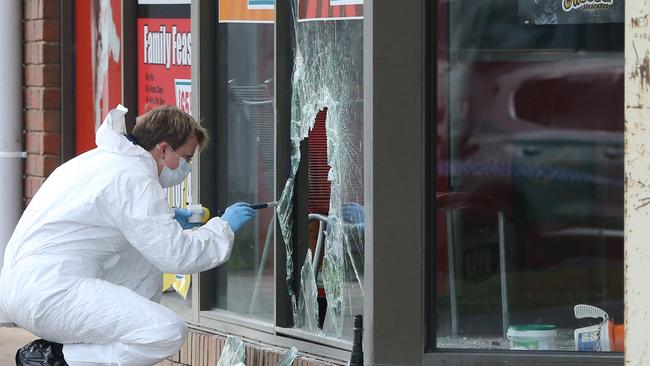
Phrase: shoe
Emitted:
{"points": [[40, 353]]}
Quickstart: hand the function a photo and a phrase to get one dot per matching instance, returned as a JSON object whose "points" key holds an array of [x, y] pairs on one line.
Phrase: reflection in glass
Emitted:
{"points": [[249, 286], [530, 127]]}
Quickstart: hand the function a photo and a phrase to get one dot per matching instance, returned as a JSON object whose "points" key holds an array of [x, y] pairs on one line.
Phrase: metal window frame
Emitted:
{"points": [[68, 77], [204, 109], [130, 60], [282, 106]]}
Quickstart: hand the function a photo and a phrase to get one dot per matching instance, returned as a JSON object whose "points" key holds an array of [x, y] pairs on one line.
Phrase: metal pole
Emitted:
{"points": [[504, 285], [11, 138]]}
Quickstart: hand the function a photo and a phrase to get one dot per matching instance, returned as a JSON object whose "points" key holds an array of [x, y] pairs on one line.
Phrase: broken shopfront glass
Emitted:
{"points": [[327, 110]]}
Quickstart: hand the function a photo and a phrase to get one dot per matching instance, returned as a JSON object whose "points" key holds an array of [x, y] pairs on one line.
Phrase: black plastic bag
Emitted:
{"points": [[40, 353]]}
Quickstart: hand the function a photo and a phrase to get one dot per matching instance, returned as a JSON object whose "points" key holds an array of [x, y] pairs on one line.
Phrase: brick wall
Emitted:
{"points": [[203, 349], [42, 88]]}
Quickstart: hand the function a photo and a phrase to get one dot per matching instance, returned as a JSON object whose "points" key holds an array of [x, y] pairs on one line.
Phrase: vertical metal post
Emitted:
{"points": [[282, 107], [637, 176], [203, 15], [451, 264], [11, 128], [505, 315], [130, 60], [68, 76], [394, 183]]}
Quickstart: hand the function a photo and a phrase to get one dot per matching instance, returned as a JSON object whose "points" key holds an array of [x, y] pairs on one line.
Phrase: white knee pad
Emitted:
{"points": [[172, 336]]}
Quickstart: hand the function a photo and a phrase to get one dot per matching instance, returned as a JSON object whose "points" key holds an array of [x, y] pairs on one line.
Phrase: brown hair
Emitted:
{"points": [[168, 123]]}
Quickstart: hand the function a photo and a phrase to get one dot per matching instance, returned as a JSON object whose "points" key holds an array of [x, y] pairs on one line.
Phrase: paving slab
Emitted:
{"points": [[12, 338]]}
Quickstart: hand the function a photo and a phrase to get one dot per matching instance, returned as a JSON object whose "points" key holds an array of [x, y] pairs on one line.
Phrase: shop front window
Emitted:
{"points": [[529, 175], [164, 78], [326, 287], [246, 284]]}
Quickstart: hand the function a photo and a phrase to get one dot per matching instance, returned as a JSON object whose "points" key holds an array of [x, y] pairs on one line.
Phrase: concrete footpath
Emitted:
{"points": [[11, 339]]}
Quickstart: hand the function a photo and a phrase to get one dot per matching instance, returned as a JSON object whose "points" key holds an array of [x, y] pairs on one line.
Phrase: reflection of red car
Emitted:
{"points": [[559, 128], [546, 140]]}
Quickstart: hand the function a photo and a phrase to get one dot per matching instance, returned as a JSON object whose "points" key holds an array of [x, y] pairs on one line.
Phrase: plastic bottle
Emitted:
{"points": [[605, 337]]}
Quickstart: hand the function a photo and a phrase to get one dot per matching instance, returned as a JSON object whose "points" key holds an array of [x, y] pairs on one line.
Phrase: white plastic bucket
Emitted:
{"points": [[532, 337]]}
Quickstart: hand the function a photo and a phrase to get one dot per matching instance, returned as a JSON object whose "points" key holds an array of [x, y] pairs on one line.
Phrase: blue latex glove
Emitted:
{"points": [[237, 215], [182, 215], [353, 213]]}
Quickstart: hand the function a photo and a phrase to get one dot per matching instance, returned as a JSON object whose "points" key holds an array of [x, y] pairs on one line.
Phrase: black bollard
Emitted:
{"points": [[356, 358]]}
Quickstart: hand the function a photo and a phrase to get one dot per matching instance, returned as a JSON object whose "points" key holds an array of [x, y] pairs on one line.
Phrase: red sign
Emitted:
{"points": [[164, 63], [98, 33], [310, 10]]}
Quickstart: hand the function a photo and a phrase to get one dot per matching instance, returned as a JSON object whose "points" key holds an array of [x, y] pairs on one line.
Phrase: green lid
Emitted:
{"points": [[527, 327]]}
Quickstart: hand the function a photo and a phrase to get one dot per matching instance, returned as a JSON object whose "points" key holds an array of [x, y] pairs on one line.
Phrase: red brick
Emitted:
{"points": [[43, 142], [40, 120], [32, 184], [42, 53], [42, 98], [50, 9], [31, 9], [32, 164], [42, 30], [42, 9], [41, 165], [33, 53], [42, 75]]}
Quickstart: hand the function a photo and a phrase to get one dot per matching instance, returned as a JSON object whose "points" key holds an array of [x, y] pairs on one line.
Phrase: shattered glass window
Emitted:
{"points": [[327, 114]]}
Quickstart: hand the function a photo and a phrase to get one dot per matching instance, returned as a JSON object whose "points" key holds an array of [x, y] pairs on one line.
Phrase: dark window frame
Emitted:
{"points": [[68, 76]]}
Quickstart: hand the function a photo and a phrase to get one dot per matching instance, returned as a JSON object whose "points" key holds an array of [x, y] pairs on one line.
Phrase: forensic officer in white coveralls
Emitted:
{"points": [[83, 268]]}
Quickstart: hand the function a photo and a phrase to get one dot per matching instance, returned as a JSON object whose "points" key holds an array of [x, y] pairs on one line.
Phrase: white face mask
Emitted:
{"points": [[171, 177]]}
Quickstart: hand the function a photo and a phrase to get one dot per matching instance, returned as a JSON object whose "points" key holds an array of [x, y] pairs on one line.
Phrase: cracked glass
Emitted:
{"points": [[234, 353], [327, 115]]}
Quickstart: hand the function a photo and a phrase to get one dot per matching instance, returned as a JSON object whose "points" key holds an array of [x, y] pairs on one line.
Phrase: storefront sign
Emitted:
{"points": [[261, 4], [571, 11], [98, 33], [246, 11], [311, 10], [164, 63]]}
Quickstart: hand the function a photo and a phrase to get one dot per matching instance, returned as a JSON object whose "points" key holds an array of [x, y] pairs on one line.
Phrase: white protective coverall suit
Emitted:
{"points": [[84, 264]]}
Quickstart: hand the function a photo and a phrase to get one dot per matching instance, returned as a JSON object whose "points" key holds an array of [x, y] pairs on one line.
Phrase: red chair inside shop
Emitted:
{"points": [[319, 190]]}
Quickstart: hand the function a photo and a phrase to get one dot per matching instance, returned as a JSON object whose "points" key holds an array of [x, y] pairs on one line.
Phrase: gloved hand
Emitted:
{"points": [[237, 215], [182, 215], [353, 213]]}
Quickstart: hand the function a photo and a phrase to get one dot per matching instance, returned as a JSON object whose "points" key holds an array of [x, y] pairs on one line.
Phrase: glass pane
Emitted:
{"points": [[162, 81], [327, 114], [249, 286], [529, 180]]}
